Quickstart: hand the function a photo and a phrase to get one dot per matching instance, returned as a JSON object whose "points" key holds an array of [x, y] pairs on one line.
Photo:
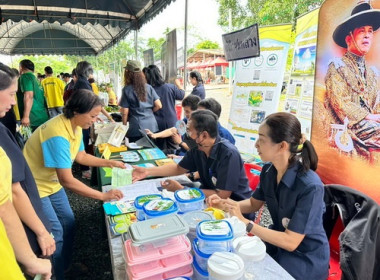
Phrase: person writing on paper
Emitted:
{"points": [[189, 105], [50, 152], [166, 117], [218, 162], [293, 193], [138, 102]]}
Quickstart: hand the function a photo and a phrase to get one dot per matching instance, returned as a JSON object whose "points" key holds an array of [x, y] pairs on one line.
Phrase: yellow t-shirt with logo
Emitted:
{"points": [[53, 90], [95, 88], [9, 268], [112, 97], [53, 145]]}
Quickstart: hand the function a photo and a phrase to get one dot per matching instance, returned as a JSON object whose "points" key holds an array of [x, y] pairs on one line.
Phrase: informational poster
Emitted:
{"points": [[148, 57], [169, 57], [346, 113], [300, 87], [257, 86]]}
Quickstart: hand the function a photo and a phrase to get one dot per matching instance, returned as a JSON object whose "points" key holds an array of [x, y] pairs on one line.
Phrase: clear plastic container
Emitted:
{"points": [[135, 255], [191, 199], [250, 248], [200, 257], [225, 266], [140, 201], [157, 232], [199, 273], [214, 236], [159, 207], [179, 265], [193, 219]]}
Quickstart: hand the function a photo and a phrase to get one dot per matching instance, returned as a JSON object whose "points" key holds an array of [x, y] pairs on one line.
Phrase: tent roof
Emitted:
{"points": [[85, 27]]}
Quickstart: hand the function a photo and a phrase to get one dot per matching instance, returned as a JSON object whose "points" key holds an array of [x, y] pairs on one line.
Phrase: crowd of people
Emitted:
{"points": [[60, 114]]}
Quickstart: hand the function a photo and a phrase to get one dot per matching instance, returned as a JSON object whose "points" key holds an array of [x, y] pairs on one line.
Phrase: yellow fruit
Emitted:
{"points": [[218, 214]]}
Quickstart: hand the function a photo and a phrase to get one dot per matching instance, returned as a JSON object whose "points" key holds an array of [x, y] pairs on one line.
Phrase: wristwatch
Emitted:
{"points": [[249, 226]]}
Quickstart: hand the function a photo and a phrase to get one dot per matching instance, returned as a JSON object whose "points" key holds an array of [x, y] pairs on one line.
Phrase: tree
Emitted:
{"points": [[57, 62], [207, 44], [263, 12], [156, 45]]}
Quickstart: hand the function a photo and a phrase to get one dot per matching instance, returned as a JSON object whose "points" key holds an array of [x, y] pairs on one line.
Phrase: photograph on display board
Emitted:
{"points": [[255, 98], [304, 61], [257, 116], [346, 114]]}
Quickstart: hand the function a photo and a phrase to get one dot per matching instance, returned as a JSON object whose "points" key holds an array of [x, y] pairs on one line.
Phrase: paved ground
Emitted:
{"points": [[220, 93]]}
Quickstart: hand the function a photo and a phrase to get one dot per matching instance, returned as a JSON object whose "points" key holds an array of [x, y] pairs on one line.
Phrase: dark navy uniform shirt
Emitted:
{"points": [[297, 204], [199, 90], [22, 174], [82, 83], [224, 133], [140, 115], [222, 170], [167, 116]]}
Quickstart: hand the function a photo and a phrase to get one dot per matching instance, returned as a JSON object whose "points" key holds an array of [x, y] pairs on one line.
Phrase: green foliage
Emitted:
{"points": [[57, 62], [156, 45], [106, 61], [207, 44]]}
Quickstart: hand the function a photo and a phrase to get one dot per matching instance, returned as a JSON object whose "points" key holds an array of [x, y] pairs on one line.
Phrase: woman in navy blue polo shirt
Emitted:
{"points": [[168, 94], [197, 82], [293, 193]]}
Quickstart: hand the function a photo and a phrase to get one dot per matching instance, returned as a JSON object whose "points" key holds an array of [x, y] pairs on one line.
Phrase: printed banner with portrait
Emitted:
{"points": [[346, 113], [257, 86]]}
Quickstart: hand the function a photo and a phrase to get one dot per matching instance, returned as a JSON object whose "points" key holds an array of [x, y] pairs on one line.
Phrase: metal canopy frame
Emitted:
{"points": [[86, 27]]}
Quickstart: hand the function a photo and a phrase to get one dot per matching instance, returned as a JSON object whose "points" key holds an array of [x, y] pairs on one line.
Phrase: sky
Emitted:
{"points": [[202, 14]]}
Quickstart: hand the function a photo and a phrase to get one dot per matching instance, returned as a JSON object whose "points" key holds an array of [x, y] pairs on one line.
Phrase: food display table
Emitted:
{"points": [[267, 269]]}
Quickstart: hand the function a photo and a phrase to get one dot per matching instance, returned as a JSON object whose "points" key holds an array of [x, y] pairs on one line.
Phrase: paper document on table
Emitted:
{"points": [[130, 192], [121, 177], [140, 188]]}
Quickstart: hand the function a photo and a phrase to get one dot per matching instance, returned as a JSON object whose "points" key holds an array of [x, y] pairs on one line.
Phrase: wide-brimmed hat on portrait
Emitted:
{"points": [[362, 15]]}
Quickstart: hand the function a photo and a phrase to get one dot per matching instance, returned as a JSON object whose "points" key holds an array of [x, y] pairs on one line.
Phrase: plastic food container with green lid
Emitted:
{"points": [[140, 201], [214, 236], [157, 231], [159, 207], [190, 199]]}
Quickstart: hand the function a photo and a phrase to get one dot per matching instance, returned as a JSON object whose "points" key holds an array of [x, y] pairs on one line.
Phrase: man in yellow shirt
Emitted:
{"points": [[53, 89]]}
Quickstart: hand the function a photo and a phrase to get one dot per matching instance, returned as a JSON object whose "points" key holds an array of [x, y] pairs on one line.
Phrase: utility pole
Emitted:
{"points": [[230, 62], [185, 50]]}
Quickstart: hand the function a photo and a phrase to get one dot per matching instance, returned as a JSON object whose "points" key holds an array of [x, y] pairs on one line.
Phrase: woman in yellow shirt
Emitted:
{"points": [[10, 224]]}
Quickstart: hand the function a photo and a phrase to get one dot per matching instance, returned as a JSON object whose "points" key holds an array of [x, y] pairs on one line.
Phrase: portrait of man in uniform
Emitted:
{"points": [[352, 91]]}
